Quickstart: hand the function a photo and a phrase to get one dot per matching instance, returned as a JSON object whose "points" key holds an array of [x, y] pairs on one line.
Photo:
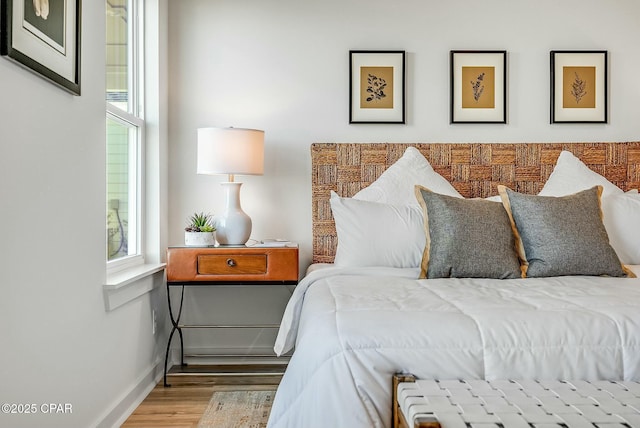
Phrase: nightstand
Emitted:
{"points": [[224, 265]]}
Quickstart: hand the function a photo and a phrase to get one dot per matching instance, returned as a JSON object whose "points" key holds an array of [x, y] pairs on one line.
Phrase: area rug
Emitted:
{"points": [[238, 409]]}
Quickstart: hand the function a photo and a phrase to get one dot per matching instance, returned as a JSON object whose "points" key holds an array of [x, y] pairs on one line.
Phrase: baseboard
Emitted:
{"points": [[129, 401]]}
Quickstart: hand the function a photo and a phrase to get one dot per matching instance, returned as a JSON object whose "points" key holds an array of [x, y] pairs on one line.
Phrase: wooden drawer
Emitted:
{"points": [[237, 264], [232, 264]]}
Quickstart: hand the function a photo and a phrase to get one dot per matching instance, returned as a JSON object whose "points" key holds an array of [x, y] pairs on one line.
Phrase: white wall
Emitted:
{"points": [[282, 66], [278, 65], [59, 344]]}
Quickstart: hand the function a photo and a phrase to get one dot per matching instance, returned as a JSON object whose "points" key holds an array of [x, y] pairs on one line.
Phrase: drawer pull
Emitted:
{"points": [[231, 262]]}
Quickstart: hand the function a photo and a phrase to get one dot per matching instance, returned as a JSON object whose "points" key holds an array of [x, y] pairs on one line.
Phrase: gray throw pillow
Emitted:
{"points": [[466, 238], [561, 235]]}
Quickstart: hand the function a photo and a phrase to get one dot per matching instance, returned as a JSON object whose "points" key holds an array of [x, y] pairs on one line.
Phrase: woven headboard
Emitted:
{"points": [[474, 169]]}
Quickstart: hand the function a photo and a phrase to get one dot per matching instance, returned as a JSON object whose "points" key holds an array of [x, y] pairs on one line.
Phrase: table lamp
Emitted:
{"points": [[231, 151]]}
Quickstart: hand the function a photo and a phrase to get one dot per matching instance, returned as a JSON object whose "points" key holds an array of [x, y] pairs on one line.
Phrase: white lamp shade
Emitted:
{"points": [[230, 151]]}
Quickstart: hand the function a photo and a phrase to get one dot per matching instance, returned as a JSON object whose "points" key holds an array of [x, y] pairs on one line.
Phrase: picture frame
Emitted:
{"points": [[579, 92], [478, 86], [43, 36], [376, 86]]}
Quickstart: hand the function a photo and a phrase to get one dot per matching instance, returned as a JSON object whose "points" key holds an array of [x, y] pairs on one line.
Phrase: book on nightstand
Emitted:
{"points": [[275, 243]]}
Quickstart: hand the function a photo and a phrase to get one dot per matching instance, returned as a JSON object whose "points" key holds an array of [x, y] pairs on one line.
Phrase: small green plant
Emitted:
{"points": [[200, 222]]}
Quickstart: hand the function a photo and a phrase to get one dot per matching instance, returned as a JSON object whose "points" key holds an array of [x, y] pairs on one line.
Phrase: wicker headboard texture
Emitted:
{"points": [[474, 169]]}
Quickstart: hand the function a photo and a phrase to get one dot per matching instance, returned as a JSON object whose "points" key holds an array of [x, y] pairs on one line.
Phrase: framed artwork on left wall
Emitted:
{"points": [[44, 37], [376, 86]]}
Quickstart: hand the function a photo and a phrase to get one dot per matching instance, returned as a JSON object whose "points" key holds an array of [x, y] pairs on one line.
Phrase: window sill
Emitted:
{"points": [[128, 284]]}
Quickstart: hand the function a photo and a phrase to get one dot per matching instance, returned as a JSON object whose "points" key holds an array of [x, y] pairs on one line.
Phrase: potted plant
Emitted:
{"points": [[200, 231]]}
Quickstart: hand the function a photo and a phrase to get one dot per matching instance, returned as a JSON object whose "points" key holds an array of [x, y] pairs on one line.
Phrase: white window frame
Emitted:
{"points": [[136, 206], [133, 118], [134, 276]]}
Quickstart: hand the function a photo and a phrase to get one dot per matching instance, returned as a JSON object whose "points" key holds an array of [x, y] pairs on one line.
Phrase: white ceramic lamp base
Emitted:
{"points": [[233, 227]]}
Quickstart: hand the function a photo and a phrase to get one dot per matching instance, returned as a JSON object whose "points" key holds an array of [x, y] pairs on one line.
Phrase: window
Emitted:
{"points": [[124, 132]]}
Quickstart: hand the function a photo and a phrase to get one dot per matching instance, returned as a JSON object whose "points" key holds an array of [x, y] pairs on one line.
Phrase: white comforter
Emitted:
{"points": [[353, 328]]}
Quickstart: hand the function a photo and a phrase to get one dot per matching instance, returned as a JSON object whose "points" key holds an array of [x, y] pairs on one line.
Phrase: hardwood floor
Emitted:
{"points": [[183, 403]]}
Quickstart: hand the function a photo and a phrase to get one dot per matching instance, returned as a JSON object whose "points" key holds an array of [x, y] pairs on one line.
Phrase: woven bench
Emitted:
{"points": [[514, 404]]}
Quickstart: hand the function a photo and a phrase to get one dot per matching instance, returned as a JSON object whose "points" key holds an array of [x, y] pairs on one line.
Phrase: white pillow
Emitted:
{"points": [[396, 185], [571, 175], [621, 217], [375, 234], [621, 211]]}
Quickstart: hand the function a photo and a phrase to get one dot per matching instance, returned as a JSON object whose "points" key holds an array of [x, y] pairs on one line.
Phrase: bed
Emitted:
{"points": [[388, 299]]}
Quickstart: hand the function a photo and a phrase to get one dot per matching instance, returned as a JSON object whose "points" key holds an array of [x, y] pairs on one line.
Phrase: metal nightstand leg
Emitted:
{"points": [[174, 322]]}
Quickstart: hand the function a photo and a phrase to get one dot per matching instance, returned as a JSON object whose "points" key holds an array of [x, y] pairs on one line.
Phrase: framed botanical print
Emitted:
{"points": [[478, 87], [376, 87], [579, 86], [44, 37]]}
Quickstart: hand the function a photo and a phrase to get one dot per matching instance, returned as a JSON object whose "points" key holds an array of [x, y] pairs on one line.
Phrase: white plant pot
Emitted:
{"points": [[199, 239]]}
